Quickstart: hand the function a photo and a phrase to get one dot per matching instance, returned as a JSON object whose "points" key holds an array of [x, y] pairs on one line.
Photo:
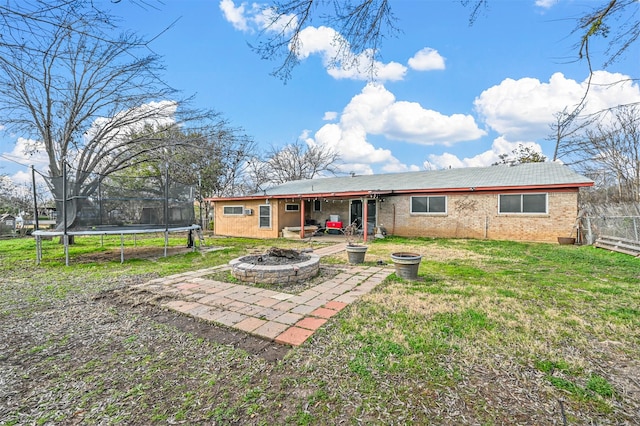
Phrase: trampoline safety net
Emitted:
{"points": [[122, 201]]}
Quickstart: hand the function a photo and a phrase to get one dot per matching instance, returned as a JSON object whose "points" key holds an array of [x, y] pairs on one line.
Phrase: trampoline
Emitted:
{"points": [[113, 230], [120, 205]]}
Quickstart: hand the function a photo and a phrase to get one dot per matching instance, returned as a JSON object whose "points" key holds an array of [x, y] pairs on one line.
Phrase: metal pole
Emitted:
{"points": [[166, 209], [166, 199], [38, 249], [65, 237], [200, 200], [100, 201], [35, 198], [166, 242]]}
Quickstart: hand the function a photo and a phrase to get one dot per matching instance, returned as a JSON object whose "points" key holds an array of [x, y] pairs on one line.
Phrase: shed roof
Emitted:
{"points": [[501, 177]]}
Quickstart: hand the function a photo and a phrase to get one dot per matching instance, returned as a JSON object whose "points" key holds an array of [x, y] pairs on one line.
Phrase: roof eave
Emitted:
{"points": [[378, 193]]}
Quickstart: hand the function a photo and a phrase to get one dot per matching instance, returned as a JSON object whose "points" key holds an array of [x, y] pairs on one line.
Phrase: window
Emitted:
{"points": [[317, 205], [429, 204], [523, 203], [233, 210], [292, 207], [265, 216]]}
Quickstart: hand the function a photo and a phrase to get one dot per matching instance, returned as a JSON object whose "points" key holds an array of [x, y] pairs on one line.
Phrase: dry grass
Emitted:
{"points": [[491, 333]]}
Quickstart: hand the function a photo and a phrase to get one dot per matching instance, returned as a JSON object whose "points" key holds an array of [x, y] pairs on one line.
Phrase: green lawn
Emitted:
{"points": [[491, 333]]}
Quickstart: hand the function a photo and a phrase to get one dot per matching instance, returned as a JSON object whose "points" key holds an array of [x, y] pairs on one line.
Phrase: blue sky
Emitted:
{"points": [[447, 94]]}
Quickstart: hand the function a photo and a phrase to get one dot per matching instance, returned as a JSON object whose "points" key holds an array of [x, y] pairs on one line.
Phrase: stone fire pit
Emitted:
{"points": [[276, 266]]}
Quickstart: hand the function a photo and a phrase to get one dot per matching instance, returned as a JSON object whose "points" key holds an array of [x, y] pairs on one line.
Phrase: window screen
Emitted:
{"points": [[523, 203], [232, 209], [292, 207], [436, 204], [265, 216]]}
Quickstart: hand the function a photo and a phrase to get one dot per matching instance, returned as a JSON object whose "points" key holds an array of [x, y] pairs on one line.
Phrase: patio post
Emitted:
{"points": [[365, 206], [301, 219]]}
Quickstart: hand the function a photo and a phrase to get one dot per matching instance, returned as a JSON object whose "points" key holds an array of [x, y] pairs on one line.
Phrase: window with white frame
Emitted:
{"points": [[290, 207], [233, 210], [523, 203], [264, 220], [429, 204]]}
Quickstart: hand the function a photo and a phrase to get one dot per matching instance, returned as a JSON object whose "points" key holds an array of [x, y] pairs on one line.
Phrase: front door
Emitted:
{"points": [[356, 213]]}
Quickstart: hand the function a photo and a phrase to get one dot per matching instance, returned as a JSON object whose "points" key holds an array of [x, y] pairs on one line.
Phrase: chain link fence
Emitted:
{"points": [[611, 220]]}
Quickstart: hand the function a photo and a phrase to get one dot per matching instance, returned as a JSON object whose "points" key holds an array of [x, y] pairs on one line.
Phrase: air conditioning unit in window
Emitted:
{"points": [[248, 212]]}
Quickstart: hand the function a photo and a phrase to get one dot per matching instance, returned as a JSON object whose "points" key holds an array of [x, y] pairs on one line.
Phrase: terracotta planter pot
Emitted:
{"points": [[356, 253], [566, 240], [406, 264]]}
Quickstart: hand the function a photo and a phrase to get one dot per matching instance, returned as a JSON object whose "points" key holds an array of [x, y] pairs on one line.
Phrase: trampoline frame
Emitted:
{"points": [[111, 231]]}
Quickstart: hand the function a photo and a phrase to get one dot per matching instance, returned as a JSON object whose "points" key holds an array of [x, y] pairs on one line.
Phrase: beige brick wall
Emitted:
{"points": [[476, 216], [469, 215], [244, 225], [247, 225]]}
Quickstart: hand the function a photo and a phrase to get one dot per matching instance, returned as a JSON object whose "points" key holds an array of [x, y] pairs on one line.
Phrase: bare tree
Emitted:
{"points": [[84, 93], [295, 161], [214, 159], [616, 20], [610, 151], [567, 132], [364, 24]]}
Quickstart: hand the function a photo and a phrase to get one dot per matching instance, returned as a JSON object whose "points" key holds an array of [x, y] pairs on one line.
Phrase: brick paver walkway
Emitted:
{"points": [[279, 316]]}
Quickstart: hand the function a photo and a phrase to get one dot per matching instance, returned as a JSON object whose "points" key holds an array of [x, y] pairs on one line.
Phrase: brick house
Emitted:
{"points": [[524, 202]]}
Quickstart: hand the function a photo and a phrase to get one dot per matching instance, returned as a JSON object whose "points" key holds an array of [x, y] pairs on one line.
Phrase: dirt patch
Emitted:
{"points": [[111, 255], [142, 304]]}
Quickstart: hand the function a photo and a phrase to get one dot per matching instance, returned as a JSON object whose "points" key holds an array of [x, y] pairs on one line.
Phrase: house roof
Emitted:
{"points": [[502, 177]]}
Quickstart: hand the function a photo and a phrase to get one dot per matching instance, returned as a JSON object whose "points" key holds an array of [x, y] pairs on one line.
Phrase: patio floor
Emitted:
{"points": [[282, 317]]}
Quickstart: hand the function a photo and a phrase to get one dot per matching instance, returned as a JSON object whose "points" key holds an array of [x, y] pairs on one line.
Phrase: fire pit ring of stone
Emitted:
{"points": [[270, 269]]}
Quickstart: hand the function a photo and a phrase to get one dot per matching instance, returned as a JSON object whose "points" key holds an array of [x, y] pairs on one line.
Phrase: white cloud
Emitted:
{"points": [[25, 152], [427, 59], [266, 19], [499, 147], [395, 166], [351, 142], [524, 108], [330, 116], [546, 4], [28, 152], [22, 178], [361, 68], [378, 111], [375, 111], [234, 15], [256, 17], [341, 64]]}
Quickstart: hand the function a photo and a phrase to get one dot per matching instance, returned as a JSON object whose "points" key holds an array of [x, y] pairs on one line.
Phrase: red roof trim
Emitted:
{"points": [[407, 191]]}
